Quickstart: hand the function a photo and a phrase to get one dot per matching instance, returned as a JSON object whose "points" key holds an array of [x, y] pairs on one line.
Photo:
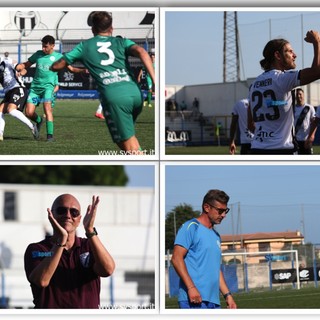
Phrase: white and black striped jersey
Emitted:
{"points": [[271, 107], [303, 131], [8, 78]]}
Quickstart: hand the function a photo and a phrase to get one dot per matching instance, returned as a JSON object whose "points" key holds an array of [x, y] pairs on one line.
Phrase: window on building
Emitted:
{"points": [[9, 209], [264, 246]]}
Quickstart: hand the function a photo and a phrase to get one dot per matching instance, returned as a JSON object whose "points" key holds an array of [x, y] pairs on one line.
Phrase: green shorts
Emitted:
{"points": [[121, 113], [37, 96]]}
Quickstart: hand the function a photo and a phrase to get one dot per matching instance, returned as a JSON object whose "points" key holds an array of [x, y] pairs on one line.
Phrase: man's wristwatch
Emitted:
{"points": [[227, 295], [91, 234]]}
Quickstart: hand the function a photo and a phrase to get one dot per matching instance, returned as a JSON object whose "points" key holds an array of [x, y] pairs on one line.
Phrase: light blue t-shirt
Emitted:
{"points": [[203, 259]]}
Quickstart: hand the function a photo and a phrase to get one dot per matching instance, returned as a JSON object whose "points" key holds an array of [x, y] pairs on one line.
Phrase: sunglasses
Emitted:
{"points": [[62, 211], [220, 210]]}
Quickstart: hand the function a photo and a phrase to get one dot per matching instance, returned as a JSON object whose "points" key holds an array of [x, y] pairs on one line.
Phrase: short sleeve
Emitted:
{"points": [[186, 233]]}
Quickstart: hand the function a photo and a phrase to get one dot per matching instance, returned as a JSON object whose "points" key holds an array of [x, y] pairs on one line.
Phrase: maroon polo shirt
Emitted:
{"points": [[74, 283]]}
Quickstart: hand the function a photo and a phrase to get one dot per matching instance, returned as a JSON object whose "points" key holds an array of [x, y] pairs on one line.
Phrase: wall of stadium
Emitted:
{"points": [[125, 223], [218, 99]]}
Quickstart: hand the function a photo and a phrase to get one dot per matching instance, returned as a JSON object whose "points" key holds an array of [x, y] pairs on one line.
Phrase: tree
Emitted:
{"points": [[175, 219], [65, 174]]}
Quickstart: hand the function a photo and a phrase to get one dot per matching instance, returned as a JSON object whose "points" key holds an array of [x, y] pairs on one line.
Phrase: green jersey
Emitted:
{"points": [[44, 77], [106, 58]]}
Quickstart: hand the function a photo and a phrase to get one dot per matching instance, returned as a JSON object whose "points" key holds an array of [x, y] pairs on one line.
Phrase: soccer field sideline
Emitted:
{"points": [[304, 298], [213, 150]]}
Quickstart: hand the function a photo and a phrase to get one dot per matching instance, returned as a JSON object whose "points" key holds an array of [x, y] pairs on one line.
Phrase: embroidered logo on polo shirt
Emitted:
{"points": [[41, 254], [85, 259]]}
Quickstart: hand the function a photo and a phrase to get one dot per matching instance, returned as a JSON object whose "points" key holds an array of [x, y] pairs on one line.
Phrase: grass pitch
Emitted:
{"points": [[305, 298], [211, 150], [76, 132]]}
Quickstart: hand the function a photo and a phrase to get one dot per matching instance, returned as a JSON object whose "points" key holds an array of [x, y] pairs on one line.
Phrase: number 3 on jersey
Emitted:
{"points": [[258, 98], [104, 48]]}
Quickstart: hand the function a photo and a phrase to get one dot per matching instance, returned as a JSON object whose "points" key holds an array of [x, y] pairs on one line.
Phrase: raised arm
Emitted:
{"points": [[311, 74], [43, 272], [104, 263]]}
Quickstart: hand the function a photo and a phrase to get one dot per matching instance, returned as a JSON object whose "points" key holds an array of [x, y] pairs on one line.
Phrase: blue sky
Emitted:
{"points": [[140, 175], [194, 42], [272, 197]]}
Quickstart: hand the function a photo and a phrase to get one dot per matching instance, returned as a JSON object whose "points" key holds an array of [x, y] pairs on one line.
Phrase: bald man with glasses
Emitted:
{"points": [[64, 270], [197, 257]]}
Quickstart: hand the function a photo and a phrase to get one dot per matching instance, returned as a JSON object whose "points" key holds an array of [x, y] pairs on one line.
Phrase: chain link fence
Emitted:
{"points": [[275, 270]]}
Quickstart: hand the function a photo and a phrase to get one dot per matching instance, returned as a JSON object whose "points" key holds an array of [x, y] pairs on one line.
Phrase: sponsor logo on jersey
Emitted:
{"points": [[262, 135]]}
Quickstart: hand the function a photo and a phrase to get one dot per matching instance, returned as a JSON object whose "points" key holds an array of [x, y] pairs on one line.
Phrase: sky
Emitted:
{"points": [[263, 198], [194, 42], [140, 175]]}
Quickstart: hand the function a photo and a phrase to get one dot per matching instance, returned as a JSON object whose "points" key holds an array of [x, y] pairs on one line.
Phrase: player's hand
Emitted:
{"points": [[89, 218], [312, 36], [232, 148], [194, 295], [61, 233], [230, 303]]}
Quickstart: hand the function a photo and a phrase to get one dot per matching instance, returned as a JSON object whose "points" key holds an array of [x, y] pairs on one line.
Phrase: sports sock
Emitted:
{"points": [[49, 127], [20, 116], [38, 119], [99, 110]]}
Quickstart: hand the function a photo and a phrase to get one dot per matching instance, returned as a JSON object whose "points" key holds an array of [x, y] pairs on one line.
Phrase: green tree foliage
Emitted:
{"points": [[175, 219], [65, 174]]}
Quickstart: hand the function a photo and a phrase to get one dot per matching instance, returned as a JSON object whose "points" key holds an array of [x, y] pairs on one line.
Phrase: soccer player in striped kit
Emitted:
{"points": [[271, 103]]}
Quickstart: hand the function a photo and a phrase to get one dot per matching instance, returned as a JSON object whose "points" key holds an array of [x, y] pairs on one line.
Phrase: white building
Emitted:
{"points": [[218, 99], [125, 223]]}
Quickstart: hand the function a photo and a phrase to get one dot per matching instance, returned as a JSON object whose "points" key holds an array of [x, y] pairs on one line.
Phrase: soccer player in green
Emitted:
{"points": [[41, 90], [44, 83], [106, 58]]}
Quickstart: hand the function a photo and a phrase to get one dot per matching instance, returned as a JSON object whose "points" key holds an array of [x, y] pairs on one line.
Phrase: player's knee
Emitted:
{"points": [[29, 112], [11, 107]]}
